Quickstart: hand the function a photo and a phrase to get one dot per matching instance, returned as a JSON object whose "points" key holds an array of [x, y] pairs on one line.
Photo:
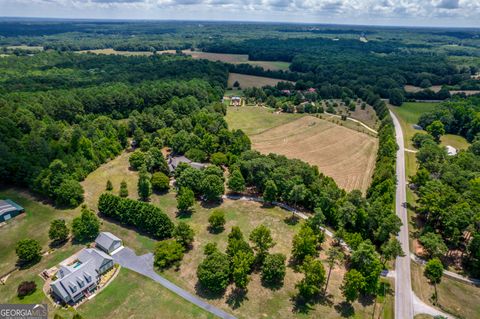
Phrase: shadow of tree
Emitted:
{"points": [[204, 293], [345, 309], [291, 220], [184, 214], [236, 297]]}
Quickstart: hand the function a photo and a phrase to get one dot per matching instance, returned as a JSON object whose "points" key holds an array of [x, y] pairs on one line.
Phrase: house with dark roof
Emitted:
{"points": [[79, 275], [174, 161], [9, 209], [108, 242]]}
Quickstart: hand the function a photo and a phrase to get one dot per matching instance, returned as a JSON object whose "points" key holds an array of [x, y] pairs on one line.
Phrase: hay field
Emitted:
{"points": [[341, 153], [237, 59], [248, 81], [113, 51]]}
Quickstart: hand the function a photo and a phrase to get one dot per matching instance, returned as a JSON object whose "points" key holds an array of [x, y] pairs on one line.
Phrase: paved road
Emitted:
{"points": [[403, 284], [144, 265]]}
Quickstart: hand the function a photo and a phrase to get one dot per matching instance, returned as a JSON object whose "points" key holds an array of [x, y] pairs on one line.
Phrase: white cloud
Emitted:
{"points": [[435, 12]]}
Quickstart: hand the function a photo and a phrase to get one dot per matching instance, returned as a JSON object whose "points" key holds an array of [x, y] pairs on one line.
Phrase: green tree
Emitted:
{"points": [[58, 231], [436, 129], [335, 257], [87, 226], [434, 271], [314, 278], [137, 159], [274, 269], [217, 220], [236, 182], [236, 243], [391, 250], [262, 241], [184, 234], [218, 159], [213, 272], [109, 186], [160, 182], [304, 243], [28, 251], [433, 244], [123, 189], [270, 192], [185, 199], [168, 253], [144, 185], [367, 261], [353, 284], [212, 188], [69, 193], [241, 263]]}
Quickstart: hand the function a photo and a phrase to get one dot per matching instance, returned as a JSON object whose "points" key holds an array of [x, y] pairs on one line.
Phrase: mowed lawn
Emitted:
{"points": [[249, 81], [345, 155], [254, 119]]}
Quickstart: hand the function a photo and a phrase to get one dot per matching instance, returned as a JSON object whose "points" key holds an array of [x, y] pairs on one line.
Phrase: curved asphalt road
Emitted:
{"points": [[144, 265], [403, 284]]}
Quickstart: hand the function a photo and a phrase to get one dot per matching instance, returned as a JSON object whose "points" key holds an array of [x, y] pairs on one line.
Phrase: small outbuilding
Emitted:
{"points": [[9, 209], [108, 242]]}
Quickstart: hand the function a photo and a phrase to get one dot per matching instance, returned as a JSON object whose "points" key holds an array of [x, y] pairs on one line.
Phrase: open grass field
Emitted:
{"points": [[254, 120], [459, 299], [25, 47], [237, 59], [344, 154], [112, 51], [249, 81], [414, 89]]}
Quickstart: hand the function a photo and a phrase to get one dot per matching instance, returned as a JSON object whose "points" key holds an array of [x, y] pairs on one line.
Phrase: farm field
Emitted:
{"points": [[341, 153], [112, 51], [248, 81], [254, 119], [237, 59], [25, 47]]}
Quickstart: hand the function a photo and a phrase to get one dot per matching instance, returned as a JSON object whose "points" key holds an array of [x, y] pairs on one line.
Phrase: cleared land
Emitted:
{"points": [[237, 59], [341, 153], [112, 51], [25, 47], [249, 81], [415, 89], [254, 120]]}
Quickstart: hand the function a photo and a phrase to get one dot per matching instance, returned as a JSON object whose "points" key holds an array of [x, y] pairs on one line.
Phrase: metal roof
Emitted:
{"points": [[106, 240], [6, 206]]}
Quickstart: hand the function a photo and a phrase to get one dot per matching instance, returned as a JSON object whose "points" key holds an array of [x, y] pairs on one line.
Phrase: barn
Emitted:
{"points": [[9, 209]]}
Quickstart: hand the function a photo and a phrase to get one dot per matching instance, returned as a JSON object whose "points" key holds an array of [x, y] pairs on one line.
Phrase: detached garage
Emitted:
{"points": [[108, 242], [9, 209]]}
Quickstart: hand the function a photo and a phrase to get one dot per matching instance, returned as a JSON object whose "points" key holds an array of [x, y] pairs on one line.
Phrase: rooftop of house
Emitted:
{"points": [[174, 161], [7, 205], [106, 239], [74, 276]]}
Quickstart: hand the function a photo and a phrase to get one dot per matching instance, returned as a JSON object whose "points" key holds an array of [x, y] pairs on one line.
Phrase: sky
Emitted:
{"points": [[448, 13]]}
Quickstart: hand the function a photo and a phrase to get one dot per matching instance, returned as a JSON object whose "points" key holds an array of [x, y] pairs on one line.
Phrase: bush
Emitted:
{"points": [[217, 220], [137, 159], [123, 189], [168, 253], [160, 182], [214, 272], [146, 217], [69, 193], [218, 159], [28, 250], [26, 288], [109, 186], [273, 269]]}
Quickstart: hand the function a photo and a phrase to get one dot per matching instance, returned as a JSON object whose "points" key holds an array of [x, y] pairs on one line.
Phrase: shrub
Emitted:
{"points": [[217, 220], [123, 189], [137, 159], [168, 253], [184, 234], [26, 288], [160, 182], [109, 186]]}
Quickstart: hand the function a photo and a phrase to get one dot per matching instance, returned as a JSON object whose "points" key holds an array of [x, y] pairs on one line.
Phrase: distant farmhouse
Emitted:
{"points": [[80, 274], [235, 101], [9, 209], [174, 161]]}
